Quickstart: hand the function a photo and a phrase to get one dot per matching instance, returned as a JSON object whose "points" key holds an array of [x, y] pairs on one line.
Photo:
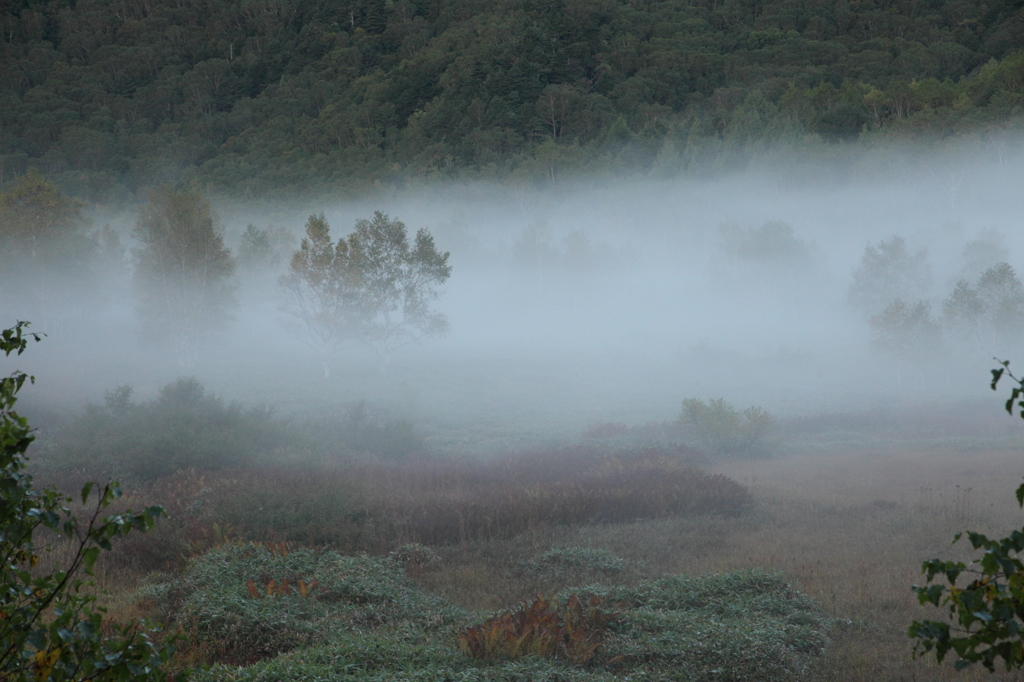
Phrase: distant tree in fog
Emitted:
{"points": [[263, 253], [183, 272], [888, 271], [963, 313], [46, 251], [321, 289], [374, 287], [989, 313], [533, 247], [907, 332], [987, 250], [774, 242], [1003, 295]]}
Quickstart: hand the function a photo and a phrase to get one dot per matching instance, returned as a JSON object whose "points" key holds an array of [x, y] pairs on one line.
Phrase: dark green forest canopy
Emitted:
{"points": [[257, 96]]}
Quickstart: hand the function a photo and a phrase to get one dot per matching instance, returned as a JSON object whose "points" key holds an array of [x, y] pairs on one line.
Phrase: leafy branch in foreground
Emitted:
{"points": [[49, 629], [989, 609]]}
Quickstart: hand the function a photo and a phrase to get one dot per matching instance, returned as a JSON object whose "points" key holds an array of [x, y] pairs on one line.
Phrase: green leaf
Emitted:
{"points": [[89, 558], [86, 489]]}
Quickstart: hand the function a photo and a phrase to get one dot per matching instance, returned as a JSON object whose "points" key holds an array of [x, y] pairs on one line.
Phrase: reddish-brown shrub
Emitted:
{"points": [[543, 628]]}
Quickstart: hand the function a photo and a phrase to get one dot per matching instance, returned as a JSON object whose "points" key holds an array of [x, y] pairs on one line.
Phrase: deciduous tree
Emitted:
{"points": [[45, 249], [906, 331], [888, 271], [374, 286], [183, 272]]}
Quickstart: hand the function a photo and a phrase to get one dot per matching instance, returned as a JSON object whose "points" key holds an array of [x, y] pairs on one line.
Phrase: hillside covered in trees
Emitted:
{"points": [[252, 97]]}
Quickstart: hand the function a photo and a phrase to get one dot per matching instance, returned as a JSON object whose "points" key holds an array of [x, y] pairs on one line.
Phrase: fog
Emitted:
{"points": [[596, 299]]}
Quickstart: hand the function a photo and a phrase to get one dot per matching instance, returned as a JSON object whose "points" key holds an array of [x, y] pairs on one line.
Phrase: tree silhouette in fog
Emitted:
{"points": [[183, 271], [888, 271], [374, 287], [907, 332], [989, 314], [45, 246]]}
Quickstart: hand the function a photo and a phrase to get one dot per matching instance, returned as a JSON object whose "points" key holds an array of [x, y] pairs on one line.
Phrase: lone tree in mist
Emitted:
{"points": [[374, 287], [183, 271], [1003, 295], [45, 247], [887, 272], [906, 331], [963, 313]]}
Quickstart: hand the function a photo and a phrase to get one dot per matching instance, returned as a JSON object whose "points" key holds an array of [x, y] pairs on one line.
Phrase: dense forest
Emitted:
{"points": [[258, 97]]}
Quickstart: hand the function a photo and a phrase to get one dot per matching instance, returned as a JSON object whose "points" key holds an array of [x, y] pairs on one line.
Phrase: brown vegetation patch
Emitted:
{"points": [[379, 507]]}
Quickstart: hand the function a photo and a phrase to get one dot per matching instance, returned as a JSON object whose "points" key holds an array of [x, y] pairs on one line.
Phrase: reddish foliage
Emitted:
{"points": [[543, 628]]}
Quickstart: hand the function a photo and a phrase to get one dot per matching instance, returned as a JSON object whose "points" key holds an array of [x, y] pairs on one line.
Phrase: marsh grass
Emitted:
{"points": [[848, 529], [848, 525], [379, 506]]}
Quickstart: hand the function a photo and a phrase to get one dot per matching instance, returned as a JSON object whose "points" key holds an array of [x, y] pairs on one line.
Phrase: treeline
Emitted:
{"points": [[254, 96], [983, 313]]}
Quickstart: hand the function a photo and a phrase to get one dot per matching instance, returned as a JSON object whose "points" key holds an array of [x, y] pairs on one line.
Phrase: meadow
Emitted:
{"points": [[791, 564]]}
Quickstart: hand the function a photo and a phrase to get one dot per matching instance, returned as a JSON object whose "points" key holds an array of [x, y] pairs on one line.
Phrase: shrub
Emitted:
{"points": [[246, 602], [606, 430], [554, 487], [574, 564], [746, 625], [545, 628], [720, 429], [377, 507], [414, 557], [185, 426]]}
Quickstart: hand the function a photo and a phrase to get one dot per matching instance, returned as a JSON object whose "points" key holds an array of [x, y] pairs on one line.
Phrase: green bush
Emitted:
{"points": [[720, 429], [747, 625], [185, 426], [245, 602], [984, 603], [574, 565]]}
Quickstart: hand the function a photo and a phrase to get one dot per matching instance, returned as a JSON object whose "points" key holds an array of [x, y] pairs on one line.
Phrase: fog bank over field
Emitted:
{"points": [[603, 300]]}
